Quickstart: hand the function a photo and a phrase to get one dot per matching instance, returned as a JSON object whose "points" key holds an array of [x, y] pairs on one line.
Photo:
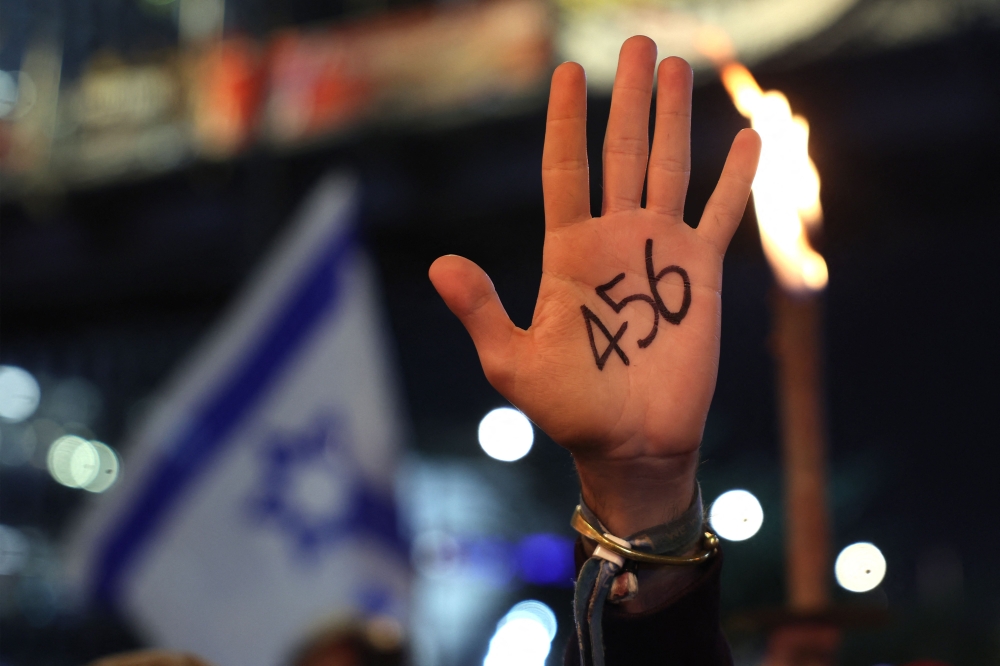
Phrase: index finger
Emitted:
{"points": [[565, 172]]}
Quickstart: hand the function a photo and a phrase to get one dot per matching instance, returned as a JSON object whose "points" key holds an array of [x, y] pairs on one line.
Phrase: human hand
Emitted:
{"points": [[620, 361]]}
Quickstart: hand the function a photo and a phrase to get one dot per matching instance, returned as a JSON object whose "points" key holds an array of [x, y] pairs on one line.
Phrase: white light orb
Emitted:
{"points": [[108, 468], [859, 567], [523, 637], [19, 394], [736, 515], [506, 434], [74, 461]]}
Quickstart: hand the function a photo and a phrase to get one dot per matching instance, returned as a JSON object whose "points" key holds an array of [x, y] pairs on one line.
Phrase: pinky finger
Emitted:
{"points": [[724, 209]]}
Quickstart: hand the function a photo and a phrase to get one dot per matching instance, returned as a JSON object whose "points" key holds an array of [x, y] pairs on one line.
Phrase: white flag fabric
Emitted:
{"points": [[257, 501]]}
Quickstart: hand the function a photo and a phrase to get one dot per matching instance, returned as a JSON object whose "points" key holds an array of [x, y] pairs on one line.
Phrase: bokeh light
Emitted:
{"points": [[506, 434], [545, 559], [736, 515], [107, 470], [73, 461], [19, 394], [860, 567], [523, 637]]}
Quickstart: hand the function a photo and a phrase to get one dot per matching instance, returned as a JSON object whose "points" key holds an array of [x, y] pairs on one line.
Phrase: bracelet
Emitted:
{"points": [[709, 542], [607, 577]]}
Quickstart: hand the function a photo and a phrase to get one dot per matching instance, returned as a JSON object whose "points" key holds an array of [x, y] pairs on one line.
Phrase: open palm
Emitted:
{"points": [[620, 361]]}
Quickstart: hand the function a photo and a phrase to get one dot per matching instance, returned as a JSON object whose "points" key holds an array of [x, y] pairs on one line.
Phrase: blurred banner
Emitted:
{"points": [[592, 31], [466, 59], [115, 116], [258, 500], [214, 98]]}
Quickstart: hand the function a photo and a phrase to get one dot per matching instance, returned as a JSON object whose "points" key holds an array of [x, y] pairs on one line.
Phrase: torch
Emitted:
{"points": [[786, 199]]}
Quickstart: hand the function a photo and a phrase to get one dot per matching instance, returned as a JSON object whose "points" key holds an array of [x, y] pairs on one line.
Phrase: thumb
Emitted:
{"points": [[469, 294]]}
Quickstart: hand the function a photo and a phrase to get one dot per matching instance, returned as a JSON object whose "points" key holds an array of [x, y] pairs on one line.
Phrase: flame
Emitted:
{"points": [[786, 188]]}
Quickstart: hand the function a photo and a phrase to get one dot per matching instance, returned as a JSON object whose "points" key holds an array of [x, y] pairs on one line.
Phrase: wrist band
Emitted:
{"points": [[621, 548], [612, 564]]}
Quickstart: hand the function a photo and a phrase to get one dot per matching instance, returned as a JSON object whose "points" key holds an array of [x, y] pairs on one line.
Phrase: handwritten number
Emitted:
{"points": [[655, 301], [617, 307], [601, 359], [673, 317]]}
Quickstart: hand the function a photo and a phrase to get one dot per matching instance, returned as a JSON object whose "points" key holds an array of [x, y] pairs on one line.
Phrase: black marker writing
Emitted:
{"points": [[601, 359], [655, 301], [602, 291], [672, 317]]}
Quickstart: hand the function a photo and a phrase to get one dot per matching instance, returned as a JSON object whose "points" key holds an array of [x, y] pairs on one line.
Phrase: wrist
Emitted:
{"points": [[635, 494]]}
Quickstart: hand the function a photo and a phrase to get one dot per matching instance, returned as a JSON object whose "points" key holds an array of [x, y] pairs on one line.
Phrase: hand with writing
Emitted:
{"points": [[620, 361]]}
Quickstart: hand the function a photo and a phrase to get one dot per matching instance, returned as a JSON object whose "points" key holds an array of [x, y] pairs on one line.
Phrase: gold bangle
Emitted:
{"points": [[710, 545]]}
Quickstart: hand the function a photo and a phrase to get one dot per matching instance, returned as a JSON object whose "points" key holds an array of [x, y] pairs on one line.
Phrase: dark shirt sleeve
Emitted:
{"points": [[684, 631]]}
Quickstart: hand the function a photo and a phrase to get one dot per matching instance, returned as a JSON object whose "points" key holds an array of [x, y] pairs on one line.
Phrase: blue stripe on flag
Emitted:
{"points": [[190, 454]]}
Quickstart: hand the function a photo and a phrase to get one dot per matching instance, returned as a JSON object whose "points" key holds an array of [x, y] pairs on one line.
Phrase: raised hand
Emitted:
{"points": [[620, 361]]}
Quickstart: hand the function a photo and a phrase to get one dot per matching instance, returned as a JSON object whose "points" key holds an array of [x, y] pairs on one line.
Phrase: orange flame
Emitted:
{"points": [[786, 188]]}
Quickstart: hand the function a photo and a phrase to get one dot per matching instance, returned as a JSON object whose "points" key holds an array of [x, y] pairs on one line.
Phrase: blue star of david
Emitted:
{"points": [[285, 456]]}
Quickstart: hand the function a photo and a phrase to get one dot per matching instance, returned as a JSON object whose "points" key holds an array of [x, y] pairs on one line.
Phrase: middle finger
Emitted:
{"points": [[626, 143]]}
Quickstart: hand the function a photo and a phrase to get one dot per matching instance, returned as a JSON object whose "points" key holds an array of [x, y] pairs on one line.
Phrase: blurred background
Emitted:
{"points": [[174, 174]]}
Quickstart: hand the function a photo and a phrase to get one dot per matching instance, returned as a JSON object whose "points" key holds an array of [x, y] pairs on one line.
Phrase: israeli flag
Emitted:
{"points": [[257, 502]]}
